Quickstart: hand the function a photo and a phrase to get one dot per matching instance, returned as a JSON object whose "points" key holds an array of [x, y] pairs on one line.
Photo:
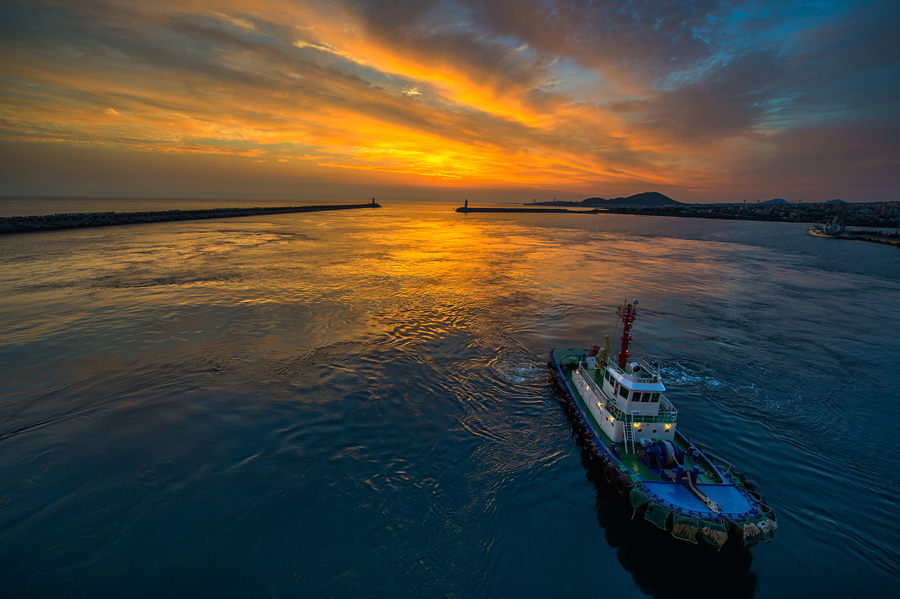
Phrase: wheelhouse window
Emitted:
{"points": [[623, 392], [655, 398], [645, 397]]}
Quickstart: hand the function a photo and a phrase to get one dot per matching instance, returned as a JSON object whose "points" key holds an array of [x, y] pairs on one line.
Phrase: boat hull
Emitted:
{"points": [[817, 233]]}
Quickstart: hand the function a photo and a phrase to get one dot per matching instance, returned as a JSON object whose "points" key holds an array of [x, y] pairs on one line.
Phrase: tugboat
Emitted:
{"points": [[629, 426]]}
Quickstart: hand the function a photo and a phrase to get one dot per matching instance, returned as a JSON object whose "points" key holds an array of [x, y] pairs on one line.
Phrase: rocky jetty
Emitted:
{"points": [[55, 222]]}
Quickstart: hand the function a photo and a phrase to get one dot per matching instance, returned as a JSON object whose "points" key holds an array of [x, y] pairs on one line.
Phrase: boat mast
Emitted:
{"points": [[627, 313]]}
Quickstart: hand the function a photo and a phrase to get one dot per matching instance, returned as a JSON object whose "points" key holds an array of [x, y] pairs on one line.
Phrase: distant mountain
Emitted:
{"points": [[836, 202], [776, 201], [650, 198]]}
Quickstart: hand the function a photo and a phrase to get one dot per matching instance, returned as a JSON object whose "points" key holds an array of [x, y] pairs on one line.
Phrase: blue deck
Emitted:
{"points": [[729, 498]]}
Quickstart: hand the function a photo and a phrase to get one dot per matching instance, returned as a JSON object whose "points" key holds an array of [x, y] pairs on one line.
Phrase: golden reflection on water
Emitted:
{"points": [[374, 268]]}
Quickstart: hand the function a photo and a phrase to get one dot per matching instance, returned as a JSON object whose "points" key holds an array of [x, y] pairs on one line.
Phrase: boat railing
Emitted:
{"points": [[667, 412], [645, 365], [608, 403], [590, 380], [613, 409], [662, 417]]}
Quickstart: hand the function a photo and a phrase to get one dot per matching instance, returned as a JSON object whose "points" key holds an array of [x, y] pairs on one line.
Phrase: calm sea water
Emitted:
{"points": [[358, 404]]}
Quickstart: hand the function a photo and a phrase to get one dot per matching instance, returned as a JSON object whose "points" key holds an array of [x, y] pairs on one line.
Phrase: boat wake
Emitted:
{"points": [[519, 369], [678, 374], [745, 396]]}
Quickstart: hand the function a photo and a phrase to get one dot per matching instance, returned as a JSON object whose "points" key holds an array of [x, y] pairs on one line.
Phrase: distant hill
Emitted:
{"points": [[650, 198], [836, 202], [776, 201]]}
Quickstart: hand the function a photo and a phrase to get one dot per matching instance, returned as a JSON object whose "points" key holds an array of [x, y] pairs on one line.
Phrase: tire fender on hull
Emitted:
{"points": [[611, 473], [623, 487]]}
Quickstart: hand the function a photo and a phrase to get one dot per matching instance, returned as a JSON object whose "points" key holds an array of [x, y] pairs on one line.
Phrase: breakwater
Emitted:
{"points": [[466, 209], [875, 237], [55, 222]]}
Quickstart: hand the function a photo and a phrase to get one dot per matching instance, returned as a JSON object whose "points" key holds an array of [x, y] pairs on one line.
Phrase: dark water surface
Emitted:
{"points": [[357, 404]]}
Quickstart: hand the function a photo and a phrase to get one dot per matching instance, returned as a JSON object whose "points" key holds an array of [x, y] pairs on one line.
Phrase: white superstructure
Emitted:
{"points": [[627, 402]]}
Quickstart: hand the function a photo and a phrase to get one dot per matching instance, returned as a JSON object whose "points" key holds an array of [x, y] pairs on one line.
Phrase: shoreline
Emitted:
{"points": [[870, 236], [884, 239], [80, 220], [677, 212]]}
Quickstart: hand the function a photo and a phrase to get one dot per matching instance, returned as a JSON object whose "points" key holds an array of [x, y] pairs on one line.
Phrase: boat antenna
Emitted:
{"points": [[627, 313]]}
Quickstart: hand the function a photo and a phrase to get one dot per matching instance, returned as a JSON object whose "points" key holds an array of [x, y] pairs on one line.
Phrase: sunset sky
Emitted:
{"points": [[487, 100]]}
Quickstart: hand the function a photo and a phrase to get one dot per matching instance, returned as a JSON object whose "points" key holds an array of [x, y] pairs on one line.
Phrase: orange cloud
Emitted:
{"points": [[416, 94]]}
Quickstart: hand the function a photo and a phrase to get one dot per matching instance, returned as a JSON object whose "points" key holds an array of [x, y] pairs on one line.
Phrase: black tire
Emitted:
{"points": [[623, 489], [747, 484], [611, 473]]}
